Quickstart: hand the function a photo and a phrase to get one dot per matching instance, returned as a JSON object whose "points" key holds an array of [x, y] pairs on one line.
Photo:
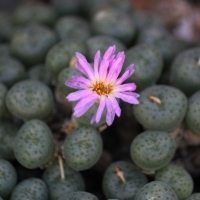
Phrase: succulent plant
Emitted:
{"points": [[122, 26], [122, 180], [72, 28], [60, 55], [78, 196], [161, 108], [156, 190], [30, 99], [152, 150], [148, 65], [31, 44], [194, 196], [11, 71], [8, 178], [185, 71], [34, 144], [178, 179], [30, 189], [193, 113], [36, 13], [102, 42], [82, 148], [57, 185]]}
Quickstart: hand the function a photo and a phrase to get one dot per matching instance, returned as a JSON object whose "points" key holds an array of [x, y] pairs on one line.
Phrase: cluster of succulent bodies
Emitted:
{"points": [[51, 149]]}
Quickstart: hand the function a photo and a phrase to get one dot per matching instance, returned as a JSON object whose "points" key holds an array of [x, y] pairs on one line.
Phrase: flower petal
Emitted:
{"points": [[103, 70], [84, 66], [80, 68], [115, 105], [130, 97], [85, 100], [113, 69], [110, 115], [74, 96], [96, 64], [84, 105], [78, 82], [110, 51], [129, 71], [125, 87], [98, 114]]}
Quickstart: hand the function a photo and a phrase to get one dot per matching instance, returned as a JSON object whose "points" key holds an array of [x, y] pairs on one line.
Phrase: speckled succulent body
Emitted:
{"points": [[114, 187], [156, 190], [30, 99], [152, 150], [178, 179], [82, 148], [79, 196], [148, 64], [34, 144], [30, 189], [166, 114], [57, 186], [8, 178]]}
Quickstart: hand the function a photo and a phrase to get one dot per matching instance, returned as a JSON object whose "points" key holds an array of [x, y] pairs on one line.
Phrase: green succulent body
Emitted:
{"points": [[156, 190], [8, 178], [30, 189], [57, 186], [152, 150], [178, 179], [164, 114], [34, 144], [148, 65], [30, 99], [82, 148], [114, 187]]}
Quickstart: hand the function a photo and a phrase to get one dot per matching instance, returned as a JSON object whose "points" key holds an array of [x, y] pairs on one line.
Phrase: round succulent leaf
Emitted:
{"points": [[122, 26], [36, 13], [57, 186], [34, 144], [8, 178], [60, 55], [11, 71], [3, 92], [5, 49], [82, 148], [72, 27], [168, 45], [30, 189], [8, 132], [165, 114], [66, 7], [114, 187], [194, 196], [178, 179], [148, 65], [193, 113], [152, 150], [78, 196], [156, 190], [41, 73], [102, 42], [185, 71], [31, 44], [30, 99]]}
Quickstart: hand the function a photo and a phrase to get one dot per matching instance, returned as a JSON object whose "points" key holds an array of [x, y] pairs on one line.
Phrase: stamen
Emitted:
{"points": [[101, 89]]}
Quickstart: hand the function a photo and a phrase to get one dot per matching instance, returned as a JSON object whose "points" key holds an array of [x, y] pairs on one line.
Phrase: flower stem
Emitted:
{"points": [[155, 99], [62, 173], [120, 174]]}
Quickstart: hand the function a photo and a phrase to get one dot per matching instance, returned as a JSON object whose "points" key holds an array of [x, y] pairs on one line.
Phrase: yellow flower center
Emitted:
{"points": [[101, 89]]}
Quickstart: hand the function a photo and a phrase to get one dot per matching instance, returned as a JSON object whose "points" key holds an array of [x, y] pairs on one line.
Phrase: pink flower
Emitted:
{"points": [[102, 85]]}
